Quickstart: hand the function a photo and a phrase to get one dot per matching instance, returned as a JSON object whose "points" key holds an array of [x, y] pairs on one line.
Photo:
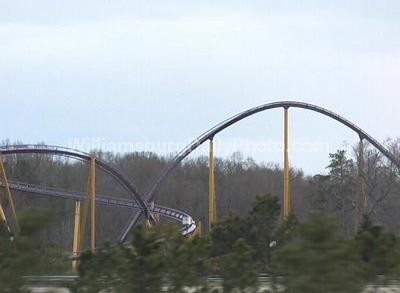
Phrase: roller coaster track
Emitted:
{"points": [[67, 152], [209, 135], [143, 203], [188, 225]]}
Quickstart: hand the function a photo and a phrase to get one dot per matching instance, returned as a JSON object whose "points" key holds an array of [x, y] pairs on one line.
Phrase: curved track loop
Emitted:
{"points": [[67, 152], [150, 193], [188, 225]]}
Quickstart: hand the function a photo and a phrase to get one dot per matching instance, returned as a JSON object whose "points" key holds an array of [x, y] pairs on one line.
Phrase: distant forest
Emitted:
{"points": [[239, 181]]}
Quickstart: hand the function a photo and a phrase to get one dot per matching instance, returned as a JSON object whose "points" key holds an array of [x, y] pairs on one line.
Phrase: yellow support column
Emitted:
{"points": [[361, 203], [287, 201], [4, 219], [89, 206], [3, 177], [212, 200], [82, 222], [76, 241], [156, 217], [149, 223], [2, 214], [198, 231], [93, 202]]}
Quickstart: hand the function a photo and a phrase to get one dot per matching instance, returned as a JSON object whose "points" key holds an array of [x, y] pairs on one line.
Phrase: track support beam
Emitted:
{"points": [[89, 207], [4, 219], [198, 231], [76, 240], [92, 193], [287, 201], [212, 200], [81, 215], [3, 177], [361, 202]]}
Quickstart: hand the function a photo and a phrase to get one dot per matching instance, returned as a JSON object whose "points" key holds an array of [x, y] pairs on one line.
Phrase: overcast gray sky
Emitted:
{"points": [[155, 74]]}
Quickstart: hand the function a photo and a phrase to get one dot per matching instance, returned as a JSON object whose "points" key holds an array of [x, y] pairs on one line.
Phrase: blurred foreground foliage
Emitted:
{"points": [[299, 257], [24, 254], [309, 257]]}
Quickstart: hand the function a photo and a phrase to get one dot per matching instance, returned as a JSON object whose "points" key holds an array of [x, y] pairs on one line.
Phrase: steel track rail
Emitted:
{"points": [[188, 224], [67, 152], [209, 134]]}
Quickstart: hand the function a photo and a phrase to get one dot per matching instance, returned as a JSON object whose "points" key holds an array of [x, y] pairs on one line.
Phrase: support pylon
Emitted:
{"points": [[82, 213], [361, 202], [4, 220], [76, 240], [198, 231], [89, 206], [156, 217], [3, 215], [212, 200], [3, 177], [287, 200], [92, 192]]}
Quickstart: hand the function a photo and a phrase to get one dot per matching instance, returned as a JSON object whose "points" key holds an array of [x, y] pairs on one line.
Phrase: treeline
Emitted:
{"points": [[239, 181], [298, 257]]}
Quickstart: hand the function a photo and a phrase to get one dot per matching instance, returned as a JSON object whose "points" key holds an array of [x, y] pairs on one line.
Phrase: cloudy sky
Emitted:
{"points": [[152, 75]]}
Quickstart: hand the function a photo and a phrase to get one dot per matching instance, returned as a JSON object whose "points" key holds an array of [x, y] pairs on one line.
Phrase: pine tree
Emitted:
{"points": [[318, 260], [263, 225], [188, 260], [147, 267], [238, 270], [379, 251]]}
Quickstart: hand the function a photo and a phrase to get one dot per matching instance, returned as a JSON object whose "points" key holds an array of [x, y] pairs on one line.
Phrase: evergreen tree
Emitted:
{"points": [[188, 261], [24, 254], [147, 266], [10, 273], [263, 225], [106, 270], [379, 251], [225, 233], [342, 187], [318, 260], [238, 270]]}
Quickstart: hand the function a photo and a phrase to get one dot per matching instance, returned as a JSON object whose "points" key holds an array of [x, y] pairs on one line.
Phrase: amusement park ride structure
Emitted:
{"points": [[85, 204]]}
